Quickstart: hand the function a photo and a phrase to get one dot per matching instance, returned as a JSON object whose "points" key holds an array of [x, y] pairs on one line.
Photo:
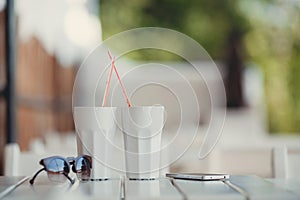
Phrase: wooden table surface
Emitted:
{"points": [[237, 187]]}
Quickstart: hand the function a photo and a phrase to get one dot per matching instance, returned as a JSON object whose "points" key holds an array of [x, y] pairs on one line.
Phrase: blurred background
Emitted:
{"points": [[256, 45]]}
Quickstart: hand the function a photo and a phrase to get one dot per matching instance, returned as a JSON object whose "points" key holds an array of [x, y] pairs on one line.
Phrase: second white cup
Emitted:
{"points": [[142, 128]]}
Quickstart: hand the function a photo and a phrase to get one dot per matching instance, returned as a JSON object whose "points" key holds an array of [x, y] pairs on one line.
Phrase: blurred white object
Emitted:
{"points": [[19, 163], [63, 144], [67, 29], [253, 86], [280, 162], [37, 145], [26, 163], [2, 4], [286, 162], [12, 153]]}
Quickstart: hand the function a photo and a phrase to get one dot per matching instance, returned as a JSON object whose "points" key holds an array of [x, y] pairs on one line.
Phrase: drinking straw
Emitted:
{"points": [[107, 86], [122, 86]]}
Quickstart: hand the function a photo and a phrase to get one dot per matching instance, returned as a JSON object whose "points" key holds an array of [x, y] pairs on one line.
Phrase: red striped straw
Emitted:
{"points": [[107, 87], [122, 86]]}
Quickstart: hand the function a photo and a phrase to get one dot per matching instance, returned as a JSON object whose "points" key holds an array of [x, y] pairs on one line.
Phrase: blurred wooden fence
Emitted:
{"points": [[44, 92]]}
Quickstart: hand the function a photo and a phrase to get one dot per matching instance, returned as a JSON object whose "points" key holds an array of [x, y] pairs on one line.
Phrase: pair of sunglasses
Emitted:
{"points": [[58, 168]]}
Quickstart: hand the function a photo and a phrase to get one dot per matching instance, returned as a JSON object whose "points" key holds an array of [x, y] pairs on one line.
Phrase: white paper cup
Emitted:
{"points": [[96, 128], [142, 128]]}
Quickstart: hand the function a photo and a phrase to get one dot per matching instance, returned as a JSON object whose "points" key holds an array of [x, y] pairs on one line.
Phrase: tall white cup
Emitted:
{"points": [[142, 128], [96, 128]]}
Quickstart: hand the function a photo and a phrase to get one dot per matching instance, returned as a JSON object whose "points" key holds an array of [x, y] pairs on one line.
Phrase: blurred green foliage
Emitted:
{"points": [[208, 22], [270, 30], [274, 43]]}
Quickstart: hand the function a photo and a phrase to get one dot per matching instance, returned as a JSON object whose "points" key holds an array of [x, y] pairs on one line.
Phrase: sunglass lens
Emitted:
{"points": [[83, 167], [57, 169]]}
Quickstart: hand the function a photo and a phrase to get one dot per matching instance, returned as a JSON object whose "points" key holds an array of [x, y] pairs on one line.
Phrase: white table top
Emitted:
{"points": [[237, 187]]}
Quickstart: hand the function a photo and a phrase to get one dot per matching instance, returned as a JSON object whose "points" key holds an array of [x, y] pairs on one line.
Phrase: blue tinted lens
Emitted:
{"points": [[83, 168], [56, 168], [58, 165]]}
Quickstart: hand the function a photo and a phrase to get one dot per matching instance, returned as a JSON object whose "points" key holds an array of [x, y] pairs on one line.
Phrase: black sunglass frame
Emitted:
{"points": [[70, 161]]}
